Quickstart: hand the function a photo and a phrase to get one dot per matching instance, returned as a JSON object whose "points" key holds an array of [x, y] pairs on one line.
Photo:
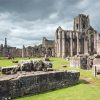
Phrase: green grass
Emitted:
{"points": [[58, 62], [8, 62], [81, 91]]}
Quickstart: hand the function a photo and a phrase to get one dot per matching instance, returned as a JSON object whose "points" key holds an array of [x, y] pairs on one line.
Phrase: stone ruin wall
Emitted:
{"points": [[74, 62], [36, 82]]}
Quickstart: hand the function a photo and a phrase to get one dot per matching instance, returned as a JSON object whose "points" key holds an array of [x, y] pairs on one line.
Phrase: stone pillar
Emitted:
{"points": [[23, 51], [53, 52], [63, 45], [60, 45], [85, 46], [56, 48], [71, 44], [98, 44], [56, 44], [95, 45], [46, 51], [77, 43]]}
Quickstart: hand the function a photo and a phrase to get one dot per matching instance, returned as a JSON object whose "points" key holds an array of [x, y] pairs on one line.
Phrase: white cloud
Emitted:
{"points": [[83, 4], [53, 16], [29, 24]]}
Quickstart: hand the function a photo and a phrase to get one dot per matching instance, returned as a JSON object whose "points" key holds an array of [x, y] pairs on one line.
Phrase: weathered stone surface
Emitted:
{"points": [[83, 39], [96, 67], [34, 65], [48, 46], [74, 62], [9, 70], [82, 61], [35, 82], [27, 65]]}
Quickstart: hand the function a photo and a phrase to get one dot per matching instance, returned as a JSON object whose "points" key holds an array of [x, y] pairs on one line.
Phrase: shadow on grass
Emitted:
{"points": [[51, 60], [81, 81]]}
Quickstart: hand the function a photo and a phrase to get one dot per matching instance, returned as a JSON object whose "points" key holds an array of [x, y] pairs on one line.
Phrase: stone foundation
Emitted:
{"points": [[82, 61], [75, 62], [96, 67], [26, 83]]}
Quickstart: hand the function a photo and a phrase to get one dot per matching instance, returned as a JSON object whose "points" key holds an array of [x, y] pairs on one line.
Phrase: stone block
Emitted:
{"points": [[37, 82]]}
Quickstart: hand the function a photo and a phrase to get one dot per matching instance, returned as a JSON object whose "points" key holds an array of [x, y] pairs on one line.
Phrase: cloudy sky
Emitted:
{"points": [[27, 21]]}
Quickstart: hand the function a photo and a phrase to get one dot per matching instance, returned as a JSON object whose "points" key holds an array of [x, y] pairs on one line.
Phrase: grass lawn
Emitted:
{"points": [[87, 89], [81, 91], [8, 62]]}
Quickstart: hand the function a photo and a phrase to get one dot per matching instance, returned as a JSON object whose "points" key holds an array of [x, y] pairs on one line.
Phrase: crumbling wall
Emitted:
{"points": [[36, 82], [83, 62], [96, 67], [75, 62], [27, 65]]}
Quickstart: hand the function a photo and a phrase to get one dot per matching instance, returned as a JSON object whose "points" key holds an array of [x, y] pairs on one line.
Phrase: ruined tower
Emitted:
{"points": [[81, 40], [81, 22]]}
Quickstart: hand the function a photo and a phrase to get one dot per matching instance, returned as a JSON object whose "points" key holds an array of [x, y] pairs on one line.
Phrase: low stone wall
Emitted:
{"points": [[75, 62], [13, 86], [27, 65], [96, 67], [82, 61]]}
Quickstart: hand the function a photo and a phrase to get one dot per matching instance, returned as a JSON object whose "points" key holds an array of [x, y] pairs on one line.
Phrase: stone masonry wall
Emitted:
{"points": [[35, 82]]}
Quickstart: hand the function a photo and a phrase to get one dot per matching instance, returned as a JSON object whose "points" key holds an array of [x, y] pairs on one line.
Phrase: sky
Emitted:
{"points": [[25, 22]]}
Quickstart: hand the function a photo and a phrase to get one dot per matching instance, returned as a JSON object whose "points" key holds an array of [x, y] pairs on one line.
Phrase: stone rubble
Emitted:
{"points": [[27, 65]]}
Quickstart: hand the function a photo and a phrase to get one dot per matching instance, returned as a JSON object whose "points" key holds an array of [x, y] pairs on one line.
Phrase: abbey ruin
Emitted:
{"points": [[29, 51], [78, 44], [83, 39], [81, 46]]}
